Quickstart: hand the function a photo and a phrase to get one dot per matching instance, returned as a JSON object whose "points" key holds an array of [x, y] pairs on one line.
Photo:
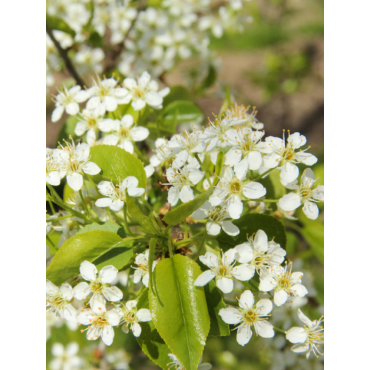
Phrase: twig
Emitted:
{"points": [[64, 55]]}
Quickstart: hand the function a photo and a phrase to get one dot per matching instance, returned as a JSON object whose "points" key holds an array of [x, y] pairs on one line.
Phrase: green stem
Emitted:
{"points": [[233, 303], [93, 183], [128, 231], [279, 330], [86, 208], [263, 200], [58, 218], [201, 165], [51, 206], [49, 241], [263, 174], [170, 246]]}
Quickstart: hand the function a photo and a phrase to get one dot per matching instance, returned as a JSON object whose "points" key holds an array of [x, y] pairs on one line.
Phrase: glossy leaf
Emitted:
{"points": [[135, 212], [59, 24], [86, 246], [180, 213], [250, 224], [116, 164], [219, 166], [150, 341], [177, 92], [108, 226], [184, 111], [179, 310]]}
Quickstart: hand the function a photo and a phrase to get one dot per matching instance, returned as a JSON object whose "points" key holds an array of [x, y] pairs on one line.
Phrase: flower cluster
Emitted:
{"points": [[154, 39], [99, 292]]}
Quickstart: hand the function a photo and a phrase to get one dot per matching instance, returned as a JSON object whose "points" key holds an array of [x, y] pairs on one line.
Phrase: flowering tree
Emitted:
{"points": [[194, 222]]}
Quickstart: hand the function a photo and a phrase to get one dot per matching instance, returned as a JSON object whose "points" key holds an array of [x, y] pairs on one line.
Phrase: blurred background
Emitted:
{"points": [[275, 64]]}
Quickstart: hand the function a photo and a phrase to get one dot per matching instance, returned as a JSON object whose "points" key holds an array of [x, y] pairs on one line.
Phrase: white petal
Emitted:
{"points": [[75, 181], [299, 290], [233, 157], [296, 335], [136, 329], [82, 290], [107, 335], [254, 160], [235, 207], [230, 228], [289, 172], [110, 103], [88, 271], [204, 278], [213, 228], [127, 145], [153, 99], [267, 283], [264, 306], [254, 190], [244, 334], [209, 259], [144, 315], [261, 241], [173, 195], [138, 104], [116, 205], [280, 297], [70, 313], [103, 202], [225, 285], [131, 304], [107, 274], [290, 202], [243, 272], [311, 210], [57, 113], [53, 178], [113, 317], [246, 299], [91, 168], [264, 329], [195, 176], [139, 133], [57, 349], [299, 348], [305, 319], [72, 108], [230, 315], [186, 194], [244, 252]]}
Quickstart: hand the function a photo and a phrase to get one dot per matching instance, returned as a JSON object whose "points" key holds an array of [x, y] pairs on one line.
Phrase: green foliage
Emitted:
{"points": [[150, 341], [219, 166], [88, 246], [180, 213], [177, 93], [214, 304], [250, 224], [59, 24], [135, 212], [116, 164], [108, 226], [183, 112], [314, 235], [67, 131], [211, 77], [227, 103], [179, 309]]}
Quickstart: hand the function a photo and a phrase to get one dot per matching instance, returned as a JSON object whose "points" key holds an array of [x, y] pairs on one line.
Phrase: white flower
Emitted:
{"points": [[187, 143], [284, 283], [182, 181], [99, 285], [105, 96], [117, 194], [100, 323], [130, 317], [223, 270], [124, 133], [142, 272], [58, 300], [216, 219], [89, 59], [74, 162], [249, 315], [231, 188], [304, 195], [68, 100], [245, 152], [176, 364], [53, 174], [89, 121], [163, 151], [308, 338], [259, 253], [65, 358], [143, 92], [287, 156], [241, 114]]}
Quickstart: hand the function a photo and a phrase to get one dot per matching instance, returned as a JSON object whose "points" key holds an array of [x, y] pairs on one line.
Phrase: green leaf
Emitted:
{"points": [[180, 213], [184, 112], [227, 103], [59, 24], [67, 131], [108, 226], [314, 235], [214, 304], [152, 246], [150, 341], [117, 164], [179, 310], [119, 257], [177, 92], [211, 77], [135, 212], [251, 223], [86, 246], [219, 166]]}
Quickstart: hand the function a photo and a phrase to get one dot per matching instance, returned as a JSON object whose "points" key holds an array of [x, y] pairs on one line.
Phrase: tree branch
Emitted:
{"points": [[64, 55]]}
